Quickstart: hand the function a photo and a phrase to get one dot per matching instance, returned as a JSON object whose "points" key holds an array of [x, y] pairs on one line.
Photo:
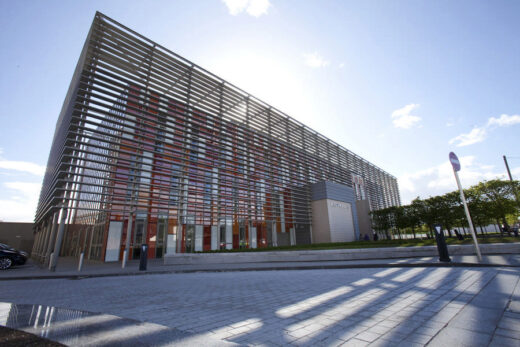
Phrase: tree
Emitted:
{"points": [[397, 218], [499, 195], [409, 218], [440, 211], [487, 201], [381, 221], [425, 213], [479, 208]]}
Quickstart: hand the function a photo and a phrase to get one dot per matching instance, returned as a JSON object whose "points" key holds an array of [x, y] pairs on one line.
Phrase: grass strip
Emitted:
{"points": [[375, 244]]}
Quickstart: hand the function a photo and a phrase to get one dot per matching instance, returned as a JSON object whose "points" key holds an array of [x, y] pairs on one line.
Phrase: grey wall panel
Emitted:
{"points": [[339, 192]]}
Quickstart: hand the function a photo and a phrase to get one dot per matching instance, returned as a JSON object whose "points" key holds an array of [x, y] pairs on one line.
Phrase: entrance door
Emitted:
{"points": [[160, 236], [190, 238], [229, 236], [274, 235], [139, 235], [214, 237], [252, 237], [242, 235], [199, 238]]}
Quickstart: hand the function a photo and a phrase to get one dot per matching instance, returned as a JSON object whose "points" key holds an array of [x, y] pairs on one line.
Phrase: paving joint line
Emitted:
{"points": [[504, 311], [246, 269]]}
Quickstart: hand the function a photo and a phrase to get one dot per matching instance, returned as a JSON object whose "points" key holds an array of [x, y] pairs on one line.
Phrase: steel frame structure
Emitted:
{"points": [[145, 131]]}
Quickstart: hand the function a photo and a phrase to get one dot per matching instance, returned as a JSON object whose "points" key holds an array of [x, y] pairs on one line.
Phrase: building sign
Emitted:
{"points": [[337, 204]]}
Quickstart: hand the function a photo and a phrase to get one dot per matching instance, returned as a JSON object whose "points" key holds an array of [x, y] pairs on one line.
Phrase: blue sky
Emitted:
{"points": [[401, 83]]}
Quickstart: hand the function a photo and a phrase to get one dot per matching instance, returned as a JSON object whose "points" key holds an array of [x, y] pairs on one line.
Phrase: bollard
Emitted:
{"points": [[123, 264], [80, 265], [144, 257], [441, 244], [50, 260]]}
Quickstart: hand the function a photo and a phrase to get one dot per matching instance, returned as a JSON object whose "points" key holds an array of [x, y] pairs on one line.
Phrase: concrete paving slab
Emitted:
{"points": [[501, 341], [83, 328], [509, 333], [265, 307], [477, 319], [451, 336], [67, 267]]}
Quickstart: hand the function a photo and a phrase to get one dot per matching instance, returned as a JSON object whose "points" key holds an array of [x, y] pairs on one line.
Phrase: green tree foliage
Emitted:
{"points": [[499, 195], [381, 221], [488, 202], [479, 208]]}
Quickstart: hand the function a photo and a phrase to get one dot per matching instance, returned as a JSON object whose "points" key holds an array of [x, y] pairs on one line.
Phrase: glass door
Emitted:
{"points": [[139, 235], [160, 241], [242, 235], [190, 238]]}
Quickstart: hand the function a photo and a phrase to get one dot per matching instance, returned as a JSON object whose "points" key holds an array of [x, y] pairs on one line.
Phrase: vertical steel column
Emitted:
{"points": [[36, 252], [47, 235], [127, 241], [219, 158], [40, 244], [183, 186], [247, 173], [90, 241], [52, 237], [59, 239]]}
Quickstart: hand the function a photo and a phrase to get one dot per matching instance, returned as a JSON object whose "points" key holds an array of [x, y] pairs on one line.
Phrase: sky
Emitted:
{"points": [[400, 83]]}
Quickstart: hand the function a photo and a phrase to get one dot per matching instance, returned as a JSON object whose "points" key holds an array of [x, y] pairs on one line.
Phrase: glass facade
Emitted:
{"points": [[150, 148]]}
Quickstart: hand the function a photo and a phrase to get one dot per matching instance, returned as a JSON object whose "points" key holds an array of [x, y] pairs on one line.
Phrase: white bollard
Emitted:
{"points": [[123, 264], [80, 265], [50, 260]]}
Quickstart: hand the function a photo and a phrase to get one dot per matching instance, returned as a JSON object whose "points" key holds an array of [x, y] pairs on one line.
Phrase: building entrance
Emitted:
{"points": [[160, 240], [190, 238]]}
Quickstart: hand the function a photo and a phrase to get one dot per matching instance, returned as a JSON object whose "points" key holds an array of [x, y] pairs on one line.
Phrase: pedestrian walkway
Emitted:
{"points": [[82, 328], [446, 306], [68, 266]]}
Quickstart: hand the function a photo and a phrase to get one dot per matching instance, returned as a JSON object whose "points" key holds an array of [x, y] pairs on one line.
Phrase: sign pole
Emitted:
{"points": [[456, 167]]}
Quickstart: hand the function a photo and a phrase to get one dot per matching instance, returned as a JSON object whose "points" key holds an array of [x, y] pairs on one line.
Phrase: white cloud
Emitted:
{"points": [[440, 179], [315, 60], [23, 166], [21, 205], [341, 65], [255, 8], [476, 135], [504, 120], [235, 6], [25, 188], [403, 119], [479, 134]]}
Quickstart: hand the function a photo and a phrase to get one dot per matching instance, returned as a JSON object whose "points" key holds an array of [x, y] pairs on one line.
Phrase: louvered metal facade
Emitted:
{"points": [[147, 136]]}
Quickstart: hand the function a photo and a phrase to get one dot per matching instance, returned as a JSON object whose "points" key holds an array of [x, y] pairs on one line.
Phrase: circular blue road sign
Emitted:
{"points": [[454, 161]]}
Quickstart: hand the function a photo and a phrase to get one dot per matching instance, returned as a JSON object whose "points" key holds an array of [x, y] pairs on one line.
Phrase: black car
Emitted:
{"points": [[10, 256]]}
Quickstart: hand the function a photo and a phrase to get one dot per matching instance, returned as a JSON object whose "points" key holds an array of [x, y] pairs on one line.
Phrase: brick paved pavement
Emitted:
{"points": [[376, 307]]}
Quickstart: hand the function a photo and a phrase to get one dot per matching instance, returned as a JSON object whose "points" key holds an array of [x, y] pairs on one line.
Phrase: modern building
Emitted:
{"points": [[152, 149]]}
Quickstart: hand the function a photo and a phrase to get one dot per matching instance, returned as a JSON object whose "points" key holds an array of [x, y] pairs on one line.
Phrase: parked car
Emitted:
{"points": [[10, 256]]}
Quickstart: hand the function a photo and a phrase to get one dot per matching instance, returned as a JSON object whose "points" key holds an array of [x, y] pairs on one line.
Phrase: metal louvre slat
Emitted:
{"points": [[190, 142]]}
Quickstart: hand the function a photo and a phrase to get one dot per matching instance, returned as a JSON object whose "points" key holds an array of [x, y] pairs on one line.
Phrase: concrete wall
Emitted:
{"points": [[337, 254], [332, 221], [341, 220], [365, 225], [320, 222], [334, 213], [17, 235]]}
